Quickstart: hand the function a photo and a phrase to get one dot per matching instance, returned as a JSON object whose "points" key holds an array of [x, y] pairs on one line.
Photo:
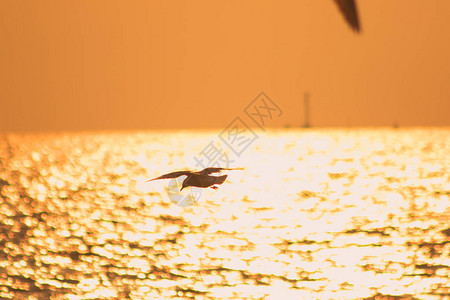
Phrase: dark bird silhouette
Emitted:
{"points": [[201, 178], [350, 12]]}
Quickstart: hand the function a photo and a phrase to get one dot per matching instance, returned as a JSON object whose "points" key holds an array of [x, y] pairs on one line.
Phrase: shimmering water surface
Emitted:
{"points": [[316, 214]]}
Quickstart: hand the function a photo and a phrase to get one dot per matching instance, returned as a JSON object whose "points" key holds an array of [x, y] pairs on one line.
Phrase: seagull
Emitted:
{"points": [[350, 12], [198, 178]]}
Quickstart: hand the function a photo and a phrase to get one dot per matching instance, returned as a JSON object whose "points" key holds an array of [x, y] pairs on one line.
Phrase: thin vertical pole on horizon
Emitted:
{"points": [[307, 122]]}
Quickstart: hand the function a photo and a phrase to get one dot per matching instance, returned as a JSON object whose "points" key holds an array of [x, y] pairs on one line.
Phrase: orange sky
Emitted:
{"points": [[90, 65]]}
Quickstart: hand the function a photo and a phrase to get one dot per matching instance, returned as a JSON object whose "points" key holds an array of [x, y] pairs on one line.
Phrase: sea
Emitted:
{"points": [[317, 213]]}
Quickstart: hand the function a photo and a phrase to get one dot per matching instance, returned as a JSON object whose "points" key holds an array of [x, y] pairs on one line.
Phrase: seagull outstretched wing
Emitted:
{"points": [[172, 175], [210, 170]]}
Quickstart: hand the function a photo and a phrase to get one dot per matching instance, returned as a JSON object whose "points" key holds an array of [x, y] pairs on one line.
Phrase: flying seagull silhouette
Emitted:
{"points": [[201, 178], [350, 12]]}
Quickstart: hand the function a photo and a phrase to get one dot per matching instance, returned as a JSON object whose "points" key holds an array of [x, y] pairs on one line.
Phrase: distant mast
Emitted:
{"points": [[307, 122]]}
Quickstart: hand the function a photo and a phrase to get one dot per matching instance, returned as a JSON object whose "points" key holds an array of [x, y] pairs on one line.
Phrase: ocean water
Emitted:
{"points": [[317, 214]]}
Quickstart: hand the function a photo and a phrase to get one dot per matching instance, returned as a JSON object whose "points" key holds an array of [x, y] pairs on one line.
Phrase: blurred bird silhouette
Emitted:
{"points": [[201, 179], [350, 12]]}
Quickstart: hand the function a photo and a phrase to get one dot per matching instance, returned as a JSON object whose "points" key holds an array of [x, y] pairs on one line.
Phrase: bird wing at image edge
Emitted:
{"points": [[350, 12]]}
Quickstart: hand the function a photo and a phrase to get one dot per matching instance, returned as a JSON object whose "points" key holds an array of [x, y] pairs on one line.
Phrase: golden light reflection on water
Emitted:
{"points": [[317, 214]]}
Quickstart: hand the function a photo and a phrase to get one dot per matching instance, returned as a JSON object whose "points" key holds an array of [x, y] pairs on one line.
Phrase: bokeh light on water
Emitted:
{"points": [[317, 214]]}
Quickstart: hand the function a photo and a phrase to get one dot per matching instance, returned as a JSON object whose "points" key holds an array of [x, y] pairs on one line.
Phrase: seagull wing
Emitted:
{"points": [[350, 12], [172, 175], [208, 171]]}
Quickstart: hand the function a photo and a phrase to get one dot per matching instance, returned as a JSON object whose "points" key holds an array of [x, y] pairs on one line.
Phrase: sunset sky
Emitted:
{"points": [[95, 65]]}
